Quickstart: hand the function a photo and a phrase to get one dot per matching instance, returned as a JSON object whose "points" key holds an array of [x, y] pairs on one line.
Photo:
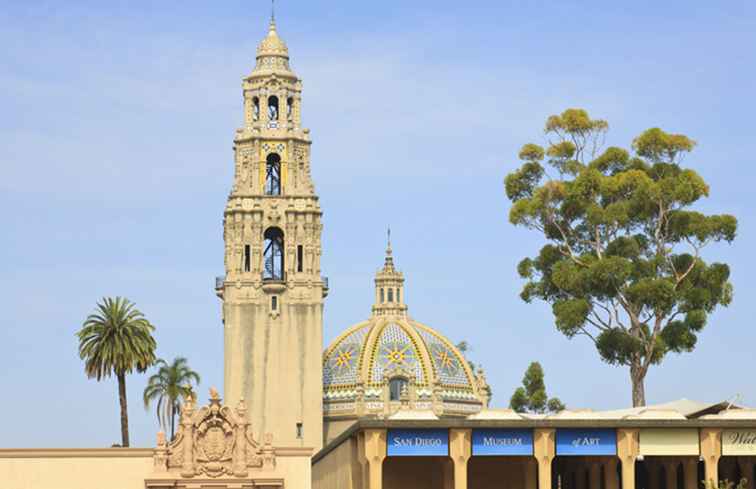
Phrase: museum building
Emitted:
{"points": [[391, 403]]}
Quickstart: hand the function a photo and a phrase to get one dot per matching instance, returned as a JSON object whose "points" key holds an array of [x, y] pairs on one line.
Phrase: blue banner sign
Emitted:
{"points": [[502, 442], [417, 443], [586, 442]]}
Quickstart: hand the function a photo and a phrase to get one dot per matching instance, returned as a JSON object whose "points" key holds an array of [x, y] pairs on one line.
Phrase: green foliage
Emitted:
{"points": [[170, 387], [531, 397], [116, 340], [725, 484], [622, 260]]}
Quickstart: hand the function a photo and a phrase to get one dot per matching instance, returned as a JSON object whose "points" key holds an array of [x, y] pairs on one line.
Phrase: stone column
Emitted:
{"points": [[746, 470], [690, 468], [610, 474], [711, 450], [530, 473], [595, 471], [460, 448], [375, 453], [627, 452], [363, 461], [544, 441], [670, 473]]}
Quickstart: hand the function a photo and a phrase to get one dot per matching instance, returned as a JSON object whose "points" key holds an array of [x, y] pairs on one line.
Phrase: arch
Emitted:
{"points": [[255, 108], [396, 386], [289, 108], [273, 254], [273, 174], [390, 294], [273, 108]]}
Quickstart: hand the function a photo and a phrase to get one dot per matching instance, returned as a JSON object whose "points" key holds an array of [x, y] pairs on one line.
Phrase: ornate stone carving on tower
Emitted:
{"points": [[272, 291]]}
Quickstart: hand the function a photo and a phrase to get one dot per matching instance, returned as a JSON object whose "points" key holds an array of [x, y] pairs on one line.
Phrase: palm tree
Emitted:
{"points": [[117, 339], [170, 386]]}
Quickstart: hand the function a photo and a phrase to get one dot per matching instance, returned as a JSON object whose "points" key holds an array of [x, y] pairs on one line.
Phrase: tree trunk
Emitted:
{"points": [[173, 422], [637, 377], [124, 409]]}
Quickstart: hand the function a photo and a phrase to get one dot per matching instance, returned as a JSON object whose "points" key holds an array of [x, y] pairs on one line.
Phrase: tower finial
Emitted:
{"points": [[388, 247], [272, 10]]}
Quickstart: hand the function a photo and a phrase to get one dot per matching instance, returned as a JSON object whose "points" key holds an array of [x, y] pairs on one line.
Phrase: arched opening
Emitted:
{"points": [[273, 108], [391, 295], [273, 256], [383, 297], [396, 386], [256, 108], [289, 107], [273, 175]]}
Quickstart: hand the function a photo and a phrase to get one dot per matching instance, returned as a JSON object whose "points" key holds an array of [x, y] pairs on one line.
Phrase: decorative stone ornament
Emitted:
{"points": [[214, 442]]}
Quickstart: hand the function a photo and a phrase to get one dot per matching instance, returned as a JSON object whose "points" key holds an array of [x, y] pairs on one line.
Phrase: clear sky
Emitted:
{"points": [[116, 125]]}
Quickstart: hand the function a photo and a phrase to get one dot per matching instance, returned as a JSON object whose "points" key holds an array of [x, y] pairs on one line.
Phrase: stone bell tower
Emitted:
{"points": [[273, 292]]}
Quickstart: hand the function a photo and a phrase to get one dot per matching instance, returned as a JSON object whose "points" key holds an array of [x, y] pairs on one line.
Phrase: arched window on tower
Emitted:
{"points": [[273, 108], [273, 175], [255, 108], [273, 255], [396, 386], [289, 108], [391, 295]]}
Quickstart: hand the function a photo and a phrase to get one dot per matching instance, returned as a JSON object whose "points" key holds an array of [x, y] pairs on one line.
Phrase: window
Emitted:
{"points": [[274, 303], [273, 108], [383, 299], [398, 297], [255, 108], [391, 295], [273, 255], [396, 386], [246, 258], [273, 175], [289, 107], [300, 430], [300, 258]]}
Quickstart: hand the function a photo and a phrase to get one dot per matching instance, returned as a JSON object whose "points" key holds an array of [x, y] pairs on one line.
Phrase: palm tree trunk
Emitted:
{"points": [[173, 419], [124, 409]]}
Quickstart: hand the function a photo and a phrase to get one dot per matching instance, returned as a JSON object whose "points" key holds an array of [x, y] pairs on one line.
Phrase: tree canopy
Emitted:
{"points": [[170, 386], [622, 262], [531, 397], [117, 339]]}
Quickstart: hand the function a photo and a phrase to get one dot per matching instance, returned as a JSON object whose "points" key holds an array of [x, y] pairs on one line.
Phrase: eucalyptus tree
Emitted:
{"points": [[622, 264]]}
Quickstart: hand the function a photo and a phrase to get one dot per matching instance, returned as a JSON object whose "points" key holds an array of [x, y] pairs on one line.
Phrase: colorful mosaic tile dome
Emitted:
{"points": [[373, 352]]}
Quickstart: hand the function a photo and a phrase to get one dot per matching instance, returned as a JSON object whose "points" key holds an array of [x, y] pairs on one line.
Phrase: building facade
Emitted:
{"points": [[272, 291]]}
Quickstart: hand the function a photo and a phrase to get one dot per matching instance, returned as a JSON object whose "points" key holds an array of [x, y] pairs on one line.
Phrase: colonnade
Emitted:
{"points": [[580, 472]]}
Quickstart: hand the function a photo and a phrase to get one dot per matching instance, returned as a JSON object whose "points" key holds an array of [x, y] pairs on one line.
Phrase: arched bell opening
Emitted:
{"points": [[273, 255]]}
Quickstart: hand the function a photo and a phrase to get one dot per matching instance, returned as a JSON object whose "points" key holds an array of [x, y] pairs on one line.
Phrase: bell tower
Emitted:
{"points": [[272, 291]]}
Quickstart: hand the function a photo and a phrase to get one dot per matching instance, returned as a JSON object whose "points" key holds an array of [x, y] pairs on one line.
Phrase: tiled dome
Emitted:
{"points": [[371, 353]]}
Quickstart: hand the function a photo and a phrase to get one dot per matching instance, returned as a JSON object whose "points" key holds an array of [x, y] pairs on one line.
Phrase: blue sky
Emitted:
{"points": [[116, 124]]}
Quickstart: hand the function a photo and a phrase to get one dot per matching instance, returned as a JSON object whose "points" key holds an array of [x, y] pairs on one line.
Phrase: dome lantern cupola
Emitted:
{"points": [[389, 288]]}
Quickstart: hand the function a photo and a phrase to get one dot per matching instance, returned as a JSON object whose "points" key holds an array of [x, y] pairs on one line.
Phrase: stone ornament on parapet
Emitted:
{"points": [[213, 441]]}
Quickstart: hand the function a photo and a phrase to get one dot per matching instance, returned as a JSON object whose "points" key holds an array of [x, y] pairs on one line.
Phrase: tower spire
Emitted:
{"points": [[272, 11], [389, 286]]}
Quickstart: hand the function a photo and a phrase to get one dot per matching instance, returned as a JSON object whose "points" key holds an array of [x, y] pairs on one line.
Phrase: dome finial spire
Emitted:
{"points": [[388, 247]]}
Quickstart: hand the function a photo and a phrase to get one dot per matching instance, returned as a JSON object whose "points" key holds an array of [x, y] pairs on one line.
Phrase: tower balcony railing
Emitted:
{"points": [[219, 281]]}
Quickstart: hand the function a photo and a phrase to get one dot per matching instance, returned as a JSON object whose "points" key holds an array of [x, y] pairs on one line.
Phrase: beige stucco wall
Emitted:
{"points": [[675, 441], [111, 468], [339, 469], [334, 427]]}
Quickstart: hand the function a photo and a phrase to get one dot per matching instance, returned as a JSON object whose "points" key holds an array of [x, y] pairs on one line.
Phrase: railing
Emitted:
{"points": [[219, 282]]}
